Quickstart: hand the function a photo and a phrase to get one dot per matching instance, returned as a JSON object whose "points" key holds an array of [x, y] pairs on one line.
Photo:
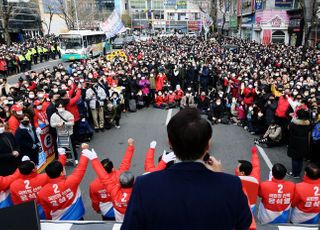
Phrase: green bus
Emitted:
{"points": [[83, 44]]}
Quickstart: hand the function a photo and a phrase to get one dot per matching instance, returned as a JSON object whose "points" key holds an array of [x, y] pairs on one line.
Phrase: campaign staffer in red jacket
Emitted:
{"points": [[28, 185], [99, 194], [16, 114], [249, 173], [149, 165], [276, 197], [5, 182], [61, 198], [306, 201], [120, 191], [71, 98]]}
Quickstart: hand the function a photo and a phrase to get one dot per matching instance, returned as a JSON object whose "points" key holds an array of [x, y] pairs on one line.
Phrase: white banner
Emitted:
{"points": [[113, 25]]}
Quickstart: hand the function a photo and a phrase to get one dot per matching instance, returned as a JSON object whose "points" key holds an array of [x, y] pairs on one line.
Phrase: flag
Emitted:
{"points": [[113, 25]]}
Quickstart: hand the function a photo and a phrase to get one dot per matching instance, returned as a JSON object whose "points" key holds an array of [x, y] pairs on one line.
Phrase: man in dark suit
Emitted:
{"points": [[191, 194]]}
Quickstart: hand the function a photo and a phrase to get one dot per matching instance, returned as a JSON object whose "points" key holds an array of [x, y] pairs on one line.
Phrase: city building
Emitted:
{"points": [[167, 15], [25, 20]]}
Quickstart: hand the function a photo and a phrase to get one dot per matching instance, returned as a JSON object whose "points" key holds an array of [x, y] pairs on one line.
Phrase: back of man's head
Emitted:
{"points": [[26, 167], [189, 134], [54, 169], [107, 164], [312, 171], [279, 171], [245, 167], [126, 180]]}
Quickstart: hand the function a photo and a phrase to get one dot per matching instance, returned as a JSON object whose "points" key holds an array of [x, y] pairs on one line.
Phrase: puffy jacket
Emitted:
{"points": [[149, 165], [64, 125], [72, 105], [282, 108]]}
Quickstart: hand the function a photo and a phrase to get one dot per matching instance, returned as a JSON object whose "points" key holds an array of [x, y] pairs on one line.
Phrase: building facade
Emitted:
{"points": [[263, 21], [167, 15], [26, 20]]}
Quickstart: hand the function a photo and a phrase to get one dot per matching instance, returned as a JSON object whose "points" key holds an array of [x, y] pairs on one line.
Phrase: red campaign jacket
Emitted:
{"points": [[283, 105], [27, 187], [45, 105], [149, 162], [251, 183], [13, 124], [3, 65], [248, 99], [307, 196], [159, 100], [32, 86], [276, 195], [6, 181], [98, 192], [178, 94], [166, 99], [59, 193], [40, 117], [160, 79], [171, 98], [72, 105], [120, 196]]}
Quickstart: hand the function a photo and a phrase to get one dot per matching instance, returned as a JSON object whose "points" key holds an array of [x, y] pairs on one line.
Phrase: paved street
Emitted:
{"points": [[230, 143]]}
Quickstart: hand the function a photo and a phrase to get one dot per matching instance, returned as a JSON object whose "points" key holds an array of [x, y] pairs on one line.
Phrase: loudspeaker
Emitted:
{"points": [[22, 216]]}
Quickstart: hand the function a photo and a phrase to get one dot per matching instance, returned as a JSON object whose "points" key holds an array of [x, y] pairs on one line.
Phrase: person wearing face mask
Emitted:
{"points": [[63, 121], [272, 136], [9, 152], [16, 115], [40, 118], [217, 111], [27, 140]]}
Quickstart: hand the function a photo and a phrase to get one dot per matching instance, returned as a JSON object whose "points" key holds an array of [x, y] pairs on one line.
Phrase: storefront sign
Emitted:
{"points": [[283, 3], [275, 18], [233, 22], [259, 5], [194, 25]]}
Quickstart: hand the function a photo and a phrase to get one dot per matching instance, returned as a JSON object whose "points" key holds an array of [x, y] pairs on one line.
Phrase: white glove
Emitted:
{"points": [[62, 151], [168, 157], [38, 130], [25, 158], [153, 144], [93, 155], [87, 153]]}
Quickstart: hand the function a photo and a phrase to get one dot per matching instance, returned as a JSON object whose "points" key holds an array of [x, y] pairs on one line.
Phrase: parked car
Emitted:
{"points": [[129, 39], [118, 43]]}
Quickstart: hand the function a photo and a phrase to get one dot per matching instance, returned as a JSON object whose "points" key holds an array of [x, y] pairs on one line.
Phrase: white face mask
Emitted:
{"points": [[1, 130], [60, 109], [19, 112], [40, 95], [55, 90], [39, 107], [31, 96]]}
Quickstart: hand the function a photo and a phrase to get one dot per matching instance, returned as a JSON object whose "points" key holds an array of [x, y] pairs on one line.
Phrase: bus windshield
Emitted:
{"points": [[74, 42]]}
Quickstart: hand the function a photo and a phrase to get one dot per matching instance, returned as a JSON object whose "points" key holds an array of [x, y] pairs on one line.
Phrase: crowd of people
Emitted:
{"points": [[19, 57], [271, 90]]}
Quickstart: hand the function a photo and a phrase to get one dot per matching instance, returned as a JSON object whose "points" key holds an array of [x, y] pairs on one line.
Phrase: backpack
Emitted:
{"points": [[316, 133]]}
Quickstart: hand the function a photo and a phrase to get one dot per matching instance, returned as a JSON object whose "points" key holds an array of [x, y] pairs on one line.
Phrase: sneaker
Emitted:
{"points": [[76, 162], [290, 174], [117, 126], [245, 128]]}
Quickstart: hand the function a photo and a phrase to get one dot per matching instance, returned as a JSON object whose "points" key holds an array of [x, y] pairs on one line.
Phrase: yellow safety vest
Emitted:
{"points": [[28, 55], [21, 58], [45, 50], [40, 50], [58, 48], [33, 51], [52, 48]]}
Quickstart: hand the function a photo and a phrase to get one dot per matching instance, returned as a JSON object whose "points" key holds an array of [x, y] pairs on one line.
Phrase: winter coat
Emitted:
{"points": [[72, 105], [298, 146], [97, 97], [144, 85], [67, 122], [270, 111], [183, 102], [274, 133], [8, 163], [27, 143], [204, 103], [282, 108], [249, 95], [160, 79]]}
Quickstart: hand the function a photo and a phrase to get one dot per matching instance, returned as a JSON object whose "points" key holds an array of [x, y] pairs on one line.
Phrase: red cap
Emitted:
{"points": [[16, 108]]}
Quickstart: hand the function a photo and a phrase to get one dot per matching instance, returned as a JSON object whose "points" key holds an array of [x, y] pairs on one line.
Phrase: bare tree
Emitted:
{"points": [[6, 12], [224, 8], [51, 13]]}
